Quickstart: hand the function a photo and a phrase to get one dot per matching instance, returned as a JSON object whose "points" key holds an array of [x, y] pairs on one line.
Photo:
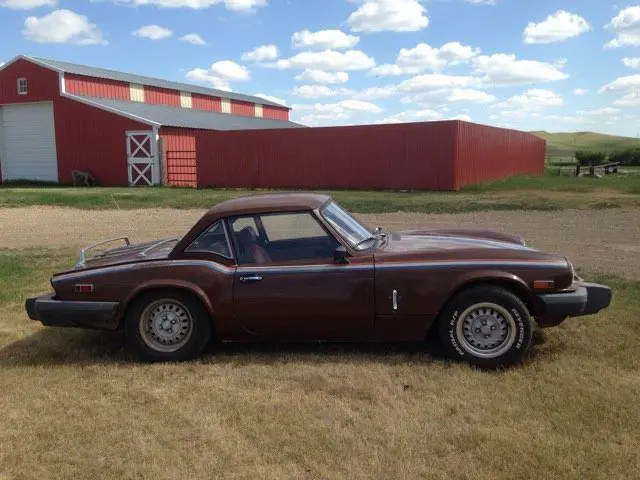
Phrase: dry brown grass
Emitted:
{"points": [[75, 404]]}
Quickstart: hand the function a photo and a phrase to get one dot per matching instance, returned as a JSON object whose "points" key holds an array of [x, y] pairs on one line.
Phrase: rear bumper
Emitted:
{"points": [[588, 299], [66, 313]]}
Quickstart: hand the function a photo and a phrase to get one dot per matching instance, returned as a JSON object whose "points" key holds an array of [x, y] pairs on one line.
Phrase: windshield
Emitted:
{"points": [[355, 234]]}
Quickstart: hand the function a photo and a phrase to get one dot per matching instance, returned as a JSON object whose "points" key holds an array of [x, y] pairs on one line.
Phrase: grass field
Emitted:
{"points": [[76, 404], [564, 145], [548, 192]]}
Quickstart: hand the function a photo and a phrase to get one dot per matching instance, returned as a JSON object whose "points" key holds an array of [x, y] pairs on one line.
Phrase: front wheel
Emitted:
{"points": [[487, 326], [167, 326]]}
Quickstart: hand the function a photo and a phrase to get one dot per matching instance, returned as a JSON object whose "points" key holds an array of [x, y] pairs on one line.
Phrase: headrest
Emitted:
{"points": [[247, 235]]}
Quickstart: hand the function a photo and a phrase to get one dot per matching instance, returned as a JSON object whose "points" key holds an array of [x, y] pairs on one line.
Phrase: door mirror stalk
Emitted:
{"points": [[340, 255]]}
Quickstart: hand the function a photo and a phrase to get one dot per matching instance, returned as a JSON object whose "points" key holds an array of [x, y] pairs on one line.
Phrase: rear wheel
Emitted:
{"points": [[167, 326], [487, 326]]}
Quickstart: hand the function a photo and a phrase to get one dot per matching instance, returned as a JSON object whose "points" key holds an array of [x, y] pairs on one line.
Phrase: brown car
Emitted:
{"points": [[298, 267]]}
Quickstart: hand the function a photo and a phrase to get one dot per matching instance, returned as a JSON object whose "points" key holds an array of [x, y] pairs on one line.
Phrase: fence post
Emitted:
{"points": [[162, 152], [578, 169]]}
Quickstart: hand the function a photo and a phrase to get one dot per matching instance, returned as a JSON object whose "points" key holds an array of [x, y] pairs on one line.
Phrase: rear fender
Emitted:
{"points": [[165, 284]]}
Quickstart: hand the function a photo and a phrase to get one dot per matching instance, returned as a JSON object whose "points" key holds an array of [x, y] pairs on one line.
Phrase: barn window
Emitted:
{"points": [[22, 86]]}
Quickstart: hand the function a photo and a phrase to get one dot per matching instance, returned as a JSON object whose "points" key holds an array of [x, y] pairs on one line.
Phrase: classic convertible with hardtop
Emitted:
{"points": [[299, 267]]}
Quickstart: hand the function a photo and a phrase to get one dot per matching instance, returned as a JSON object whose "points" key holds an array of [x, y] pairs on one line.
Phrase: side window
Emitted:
{"points": [[291, 226], [212, 240], [22, 86], [283, 237]]}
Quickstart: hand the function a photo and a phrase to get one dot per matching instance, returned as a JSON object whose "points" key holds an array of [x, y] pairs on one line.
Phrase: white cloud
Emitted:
{"points": [[527, 104], [388, 15], [600, 111], [220, 74], [462, 116], [320, 76], [153, 32], [261, 53], [376, 92], [504, 69], [27, 4], [318, 91], [560, 26], [433, 81], [193, 38], [324, 39], [413, 116], [425, 57], [628, 100], [631, 62], [623, 84], [271, 98], [63, 26], [580, 91], [320, 113], [450, 95], [235, 5], [568, 119], [626, 27], [331, 60]]}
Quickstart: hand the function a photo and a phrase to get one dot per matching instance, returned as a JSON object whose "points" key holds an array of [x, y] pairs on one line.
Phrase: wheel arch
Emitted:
{"points": [[159, 286], [506, 280]]}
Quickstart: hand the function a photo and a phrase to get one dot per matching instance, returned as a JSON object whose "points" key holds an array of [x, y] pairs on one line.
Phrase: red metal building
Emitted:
{"points": [[56, 117], [125, 129]]}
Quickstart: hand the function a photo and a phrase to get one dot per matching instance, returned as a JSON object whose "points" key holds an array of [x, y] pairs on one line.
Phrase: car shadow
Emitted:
{"points": [[61, 346]]}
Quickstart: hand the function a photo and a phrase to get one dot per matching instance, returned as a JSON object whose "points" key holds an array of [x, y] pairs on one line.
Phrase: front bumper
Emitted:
{"points": [[71, 313], [587, 299]]}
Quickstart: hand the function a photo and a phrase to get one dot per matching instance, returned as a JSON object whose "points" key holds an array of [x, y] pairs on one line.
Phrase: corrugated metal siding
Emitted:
{"points": [[136, 92], [243, 108], [275, 113], [90, 139], [203, 102], [42, 84], [161, 96], [409, 156], [180, 148], [487, 153], [96, 87]]}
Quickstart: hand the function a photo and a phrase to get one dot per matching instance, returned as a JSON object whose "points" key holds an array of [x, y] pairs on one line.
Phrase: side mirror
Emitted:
{"points": [[340, 255]]}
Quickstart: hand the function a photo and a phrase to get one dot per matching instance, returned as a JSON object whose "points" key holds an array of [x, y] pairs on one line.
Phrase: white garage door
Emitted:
{"points": [[27, 142]]}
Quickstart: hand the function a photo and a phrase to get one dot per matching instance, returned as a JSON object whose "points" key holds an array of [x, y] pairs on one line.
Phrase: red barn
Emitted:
{"points": [[57, 117]]}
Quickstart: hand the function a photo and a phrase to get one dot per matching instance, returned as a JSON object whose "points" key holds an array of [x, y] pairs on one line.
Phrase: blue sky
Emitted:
{"points": [[559, 65]]}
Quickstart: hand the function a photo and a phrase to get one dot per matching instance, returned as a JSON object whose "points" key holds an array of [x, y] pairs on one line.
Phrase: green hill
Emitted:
{"points": [[563, 145]]}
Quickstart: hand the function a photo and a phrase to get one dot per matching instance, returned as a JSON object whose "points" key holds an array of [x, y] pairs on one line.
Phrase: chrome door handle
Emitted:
{"points": [[394, 300], [251, 279]]}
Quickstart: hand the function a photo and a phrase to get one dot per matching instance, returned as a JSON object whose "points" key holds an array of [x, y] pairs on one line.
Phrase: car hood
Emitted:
{"points": [[155, 250], [447, 240]]}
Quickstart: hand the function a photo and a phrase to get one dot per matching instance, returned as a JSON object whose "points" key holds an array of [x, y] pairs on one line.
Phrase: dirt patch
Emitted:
{"points": [[595, 240]]}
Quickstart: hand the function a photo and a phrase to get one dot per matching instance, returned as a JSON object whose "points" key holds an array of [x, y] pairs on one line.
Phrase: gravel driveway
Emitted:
{"points": [[598, 240]]}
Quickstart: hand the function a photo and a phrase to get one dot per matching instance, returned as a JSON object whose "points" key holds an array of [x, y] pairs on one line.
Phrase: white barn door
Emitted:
{"points": [[142, 159], [28, 142]]}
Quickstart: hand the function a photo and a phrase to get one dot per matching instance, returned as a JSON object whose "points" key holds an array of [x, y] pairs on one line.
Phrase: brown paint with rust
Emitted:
{"points": [[320, 299]]}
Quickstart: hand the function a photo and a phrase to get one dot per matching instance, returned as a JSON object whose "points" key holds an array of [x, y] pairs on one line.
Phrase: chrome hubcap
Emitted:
{"points": [[166, 325], [486, 330]]}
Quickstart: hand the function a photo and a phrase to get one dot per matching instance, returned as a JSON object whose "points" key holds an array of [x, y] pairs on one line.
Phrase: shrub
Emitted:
{"points": [[630, 156], [585, 157]]}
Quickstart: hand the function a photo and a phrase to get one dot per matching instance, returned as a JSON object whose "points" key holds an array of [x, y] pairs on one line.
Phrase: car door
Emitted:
{"points": [[295, 291]]}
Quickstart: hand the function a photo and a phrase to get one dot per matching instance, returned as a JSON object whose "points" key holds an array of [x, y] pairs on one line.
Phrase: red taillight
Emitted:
{"points": [[83, 288]]}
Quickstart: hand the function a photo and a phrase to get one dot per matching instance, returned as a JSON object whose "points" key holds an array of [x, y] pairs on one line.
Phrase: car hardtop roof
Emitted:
{"points": [[269, 203]]}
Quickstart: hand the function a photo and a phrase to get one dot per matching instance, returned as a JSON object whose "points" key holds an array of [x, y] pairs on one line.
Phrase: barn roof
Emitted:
{"points": [[154, 82], [166, 116]]}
